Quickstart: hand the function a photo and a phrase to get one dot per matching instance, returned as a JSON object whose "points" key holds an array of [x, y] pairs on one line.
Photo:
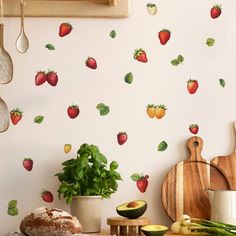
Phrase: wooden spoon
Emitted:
{"points": [[6, 65], [4, 116]]}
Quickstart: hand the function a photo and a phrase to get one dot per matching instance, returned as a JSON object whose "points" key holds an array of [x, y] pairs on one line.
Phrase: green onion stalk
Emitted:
{"points": [[190, 226]]}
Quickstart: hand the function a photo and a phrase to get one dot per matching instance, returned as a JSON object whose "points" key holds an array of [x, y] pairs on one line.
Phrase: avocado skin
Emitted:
{"points": [[132, 213], [159, 232]]}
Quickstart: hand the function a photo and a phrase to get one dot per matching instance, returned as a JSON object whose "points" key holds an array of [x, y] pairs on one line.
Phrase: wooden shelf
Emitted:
{"points": [[69, 8]]}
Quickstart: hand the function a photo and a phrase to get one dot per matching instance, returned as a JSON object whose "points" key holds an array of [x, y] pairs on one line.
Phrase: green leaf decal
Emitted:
{"points": [[162, 146], [12, 203], [113, 34], [12, 208], [135, 176], [100, 106], [180, 58], [50, 46], [210, 42], [222, 82], [129, 78], [103, 109], [38, 119], [175, 62]]}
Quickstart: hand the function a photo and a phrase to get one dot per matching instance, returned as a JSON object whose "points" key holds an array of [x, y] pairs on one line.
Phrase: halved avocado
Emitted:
{"points": [[132, 210], [154, 230]]}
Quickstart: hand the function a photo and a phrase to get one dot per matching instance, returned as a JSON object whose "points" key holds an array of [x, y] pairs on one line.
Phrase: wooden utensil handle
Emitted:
{"points": [[1, 36], [195, 144]]}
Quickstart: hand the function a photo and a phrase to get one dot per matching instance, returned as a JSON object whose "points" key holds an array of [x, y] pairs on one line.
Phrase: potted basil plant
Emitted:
{"points": [[84, 181]]}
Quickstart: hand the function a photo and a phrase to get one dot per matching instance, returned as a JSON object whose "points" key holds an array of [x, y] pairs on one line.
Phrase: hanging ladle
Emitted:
{"points": [[22, 42], [6, 65]]}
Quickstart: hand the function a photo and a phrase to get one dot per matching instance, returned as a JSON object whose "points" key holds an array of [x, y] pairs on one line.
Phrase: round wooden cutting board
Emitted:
{"points": [[183, 189]]}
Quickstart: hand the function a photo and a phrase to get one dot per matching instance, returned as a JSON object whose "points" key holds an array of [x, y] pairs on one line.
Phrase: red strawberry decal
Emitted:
{"points": [[47, 196], [140, 55], [141, 181], [193, 128], [65, 29], [16, 115], [122, 138], [215, 11], [52, 78], [40, 78], [192, 86], [28, 164], [91, 63], [164, 36], [73, 111]]}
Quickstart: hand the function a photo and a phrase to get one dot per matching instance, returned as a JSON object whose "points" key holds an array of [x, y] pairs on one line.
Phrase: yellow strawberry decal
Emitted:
{"points": [[67, 148], [151, 111], [160, 111]]}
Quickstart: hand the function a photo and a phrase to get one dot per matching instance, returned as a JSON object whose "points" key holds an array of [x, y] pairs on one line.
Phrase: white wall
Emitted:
{"points": [[158, 82]]}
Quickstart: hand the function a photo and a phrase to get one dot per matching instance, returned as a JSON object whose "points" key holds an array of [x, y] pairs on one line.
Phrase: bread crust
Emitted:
{"points": [[50, 222]]}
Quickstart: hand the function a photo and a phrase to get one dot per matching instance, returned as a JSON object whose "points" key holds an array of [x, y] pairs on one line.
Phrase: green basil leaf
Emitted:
{"points": [[175, 62], [38, 119], [83, 161], [113, 165], [210, 42], [113, 34], [162, 146], [129, 78], [12, 211], [222, 82], [180, 58], [135, 176], [50, 46]]}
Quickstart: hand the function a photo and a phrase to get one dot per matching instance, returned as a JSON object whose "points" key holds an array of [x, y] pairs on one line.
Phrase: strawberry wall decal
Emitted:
{"points": [[160, 111], [215, 11], [141, 181], [113, 34], [192, 86], [164, 36], [151, 110], [67, 148], [47, 196], [51, 77], [151, 8], [50, 46], [28, 164], [73, 111], [177, 61], [91, 63], [103, 109], [38, 119], [122, 138], [193, 128], [129, 78], [12, 209], [65, 29], [16, 115], [162, 146], [140, 55]]}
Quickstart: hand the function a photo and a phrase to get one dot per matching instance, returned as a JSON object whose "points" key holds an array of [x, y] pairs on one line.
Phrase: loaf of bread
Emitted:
{"points": [[50, 222]]}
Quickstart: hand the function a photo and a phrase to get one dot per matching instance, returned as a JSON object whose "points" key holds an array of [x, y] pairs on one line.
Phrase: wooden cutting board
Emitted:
{"points": [[183, 189], [227, 164]]}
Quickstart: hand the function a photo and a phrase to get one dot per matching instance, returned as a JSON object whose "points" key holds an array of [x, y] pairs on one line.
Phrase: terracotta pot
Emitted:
{"points": [[87, 209]]}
